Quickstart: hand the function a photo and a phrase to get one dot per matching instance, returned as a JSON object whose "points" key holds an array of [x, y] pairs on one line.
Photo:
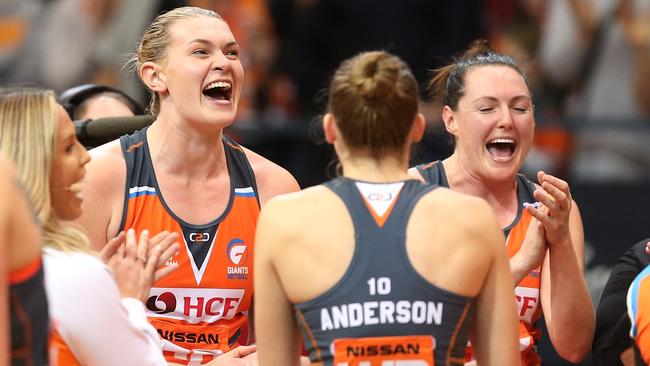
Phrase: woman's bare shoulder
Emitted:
{"points": [[271, 178]]}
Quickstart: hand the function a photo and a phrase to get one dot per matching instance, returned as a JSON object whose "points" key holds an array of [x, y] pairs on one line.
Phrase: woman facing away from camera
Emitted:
{"points": [[488, 109], [399, 280], [97, 318], [182, 174]]}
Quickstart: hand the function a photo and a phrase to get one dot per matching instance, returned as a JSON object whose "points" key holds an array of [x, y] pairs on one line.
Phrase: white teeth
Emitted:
{"points": [[76, 187], [219, 84], [502, 141]]}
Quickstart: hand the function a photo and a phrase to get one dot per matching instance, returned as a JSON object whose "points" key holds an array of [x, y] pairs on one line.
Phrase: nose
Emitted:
{"points": [[85, 156], [505, 120], [220, 62]]}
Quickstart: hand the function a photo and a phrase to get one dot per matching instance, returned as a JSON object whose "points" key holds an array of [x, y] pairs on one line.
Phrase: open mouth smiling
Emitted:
{"points": [[501, 148], [218, 90]]}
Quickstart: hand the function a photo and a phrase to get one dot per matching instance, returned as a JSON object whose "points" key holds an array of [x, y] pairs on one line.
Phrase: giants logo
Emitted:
{"points": [[195, 305], [236, 251], [199, 237]]}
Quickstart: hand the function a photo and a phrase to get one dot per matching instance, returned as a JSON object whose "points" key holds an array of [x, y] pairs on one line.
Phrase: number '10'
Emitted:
{"points": [[379, 286]]}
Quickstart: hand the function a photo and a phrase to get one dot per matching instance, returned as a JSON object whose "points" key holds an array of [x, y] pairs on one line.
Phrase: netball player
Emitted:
{"points": [[183, 175], [375, 266], [488, 109]]}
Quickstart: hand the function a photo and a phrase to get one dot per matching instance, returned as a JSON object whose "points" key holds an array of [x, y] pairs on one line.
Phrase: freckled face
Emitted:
{"points": [[202, 70]]}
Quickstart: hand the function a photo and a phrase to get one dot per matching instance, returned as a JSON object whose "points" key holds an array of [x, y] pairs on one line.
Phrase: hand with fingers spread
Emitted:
{"points": [[133, 269], [554, 211], [165, 243]]}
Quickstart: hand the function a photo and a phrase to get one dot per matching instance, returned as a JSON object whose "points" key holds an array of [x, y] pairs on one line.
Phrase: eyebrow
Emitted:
{"points": [[492, 99], [68, 138], [209, 43]]}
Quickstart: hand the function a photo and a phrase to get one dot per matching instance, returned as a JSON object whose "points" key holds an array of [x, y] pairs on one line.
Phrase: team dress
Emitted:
{"points": [[382, 311], [200, 310], [92, 324], [527, 292], [28, 313], [638, 307]]}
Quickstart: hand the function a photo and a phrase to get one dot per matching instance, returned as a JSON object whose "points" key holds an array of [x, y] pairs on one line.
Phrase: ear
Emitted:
{"points": [[417, 130], [151, 77], [449, 120], [329, 127]]}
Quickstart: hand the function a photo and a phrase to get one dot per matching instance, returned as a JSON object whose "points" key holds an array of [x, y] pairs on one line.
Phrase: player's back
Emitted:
{"points": [[364, 260]]}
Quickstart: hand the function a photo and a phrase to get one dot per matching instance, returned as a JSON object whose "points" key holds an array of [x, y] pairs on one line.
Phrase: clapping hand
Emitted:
{"points": [[137, 263], [554, 210]]}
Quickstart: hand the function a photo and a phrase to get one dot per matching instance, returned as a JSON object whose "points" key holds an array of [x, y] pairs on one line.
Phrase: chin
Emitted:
{"points": [[503, 171], [71, 215], [218, 119]]}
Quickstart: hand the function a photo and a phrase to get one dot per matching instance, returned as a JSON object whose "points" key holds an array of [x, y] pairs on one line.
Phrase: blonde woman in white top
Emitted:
{"points": [[98, 316]]}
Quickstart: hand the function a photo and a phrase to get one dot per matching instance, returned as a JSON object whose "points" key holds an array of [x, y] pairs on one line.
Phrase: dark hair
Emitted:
{"points": [[374, 98], [74, 99], [448, 81]]}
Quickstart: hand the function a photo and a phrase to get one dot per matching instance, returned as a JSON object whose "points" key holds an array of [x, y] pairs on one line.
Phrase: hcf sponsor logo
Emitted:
{"points": [[194, 305]]}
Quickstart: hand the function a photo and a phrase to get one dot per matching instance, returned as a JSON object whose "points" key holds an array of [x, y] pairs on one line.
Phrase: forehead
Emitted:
{"points": [[185, 30], [64, 126], [106, 106], [490, 78]]}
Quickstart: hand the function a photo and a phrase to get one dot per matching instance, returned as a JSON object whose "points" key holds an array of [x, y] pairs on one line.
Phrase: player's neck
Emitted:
{"points": [[375, 170], [176, 151]]}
